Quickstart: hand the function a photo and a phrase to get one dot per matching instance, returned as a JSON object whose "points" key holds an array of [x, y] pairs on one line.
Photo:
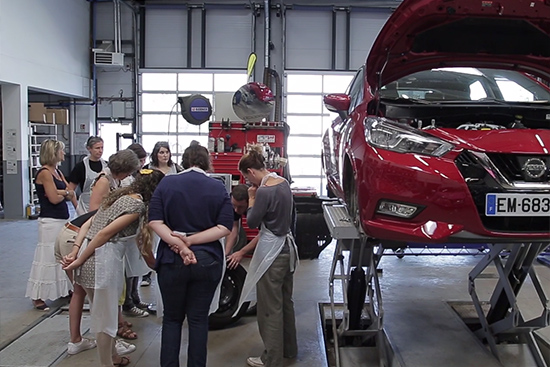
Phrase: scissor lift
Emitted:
{"points": [[346, 328], [504, 322]]}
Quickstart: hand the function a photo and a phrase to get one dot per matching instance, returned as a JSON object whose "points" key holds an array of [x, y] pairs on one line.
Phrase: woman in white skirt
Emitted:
{"points": [[47, 280], [99, 265]]}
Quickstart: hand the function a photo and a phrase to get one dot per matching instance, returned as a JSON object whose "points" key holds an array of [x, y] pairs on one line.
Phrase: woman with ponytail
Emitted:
{"points": [[270, 207], [98, 262]]}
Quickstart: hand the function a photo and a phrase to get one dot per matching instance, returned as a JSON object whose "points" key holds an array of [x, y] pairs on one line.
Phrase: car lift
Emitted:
{"points": [[362, 255], [503, 323], [504, 320]]}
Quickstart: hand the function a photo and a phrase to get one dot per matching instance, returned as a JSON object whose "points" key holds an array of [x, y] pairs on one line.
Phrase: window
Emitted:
{"points": [[308, 119], [160, 113], [356, 89]]}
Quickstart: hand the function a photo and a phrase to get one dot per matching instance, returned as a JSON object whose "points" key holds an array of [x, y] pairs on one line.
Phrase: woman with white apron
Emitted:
{"points": [[85, 172], [99, 263], [189, 268], [271, 270]]}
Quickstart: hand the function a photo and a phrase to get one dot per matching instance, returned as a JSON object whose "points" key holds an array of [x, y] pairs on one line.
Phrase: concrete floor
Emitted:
{"points": [[420, 324]]}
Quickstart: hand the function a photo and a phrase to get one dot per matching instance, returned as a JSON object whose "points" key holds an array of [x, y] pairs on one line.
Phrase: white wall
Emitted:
{"points": [[45, 45]]}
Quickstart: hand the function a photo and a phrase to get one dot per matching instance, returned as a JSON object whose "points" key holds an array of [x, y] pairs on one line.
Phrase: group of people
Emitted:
{"points": [[110, 245]]}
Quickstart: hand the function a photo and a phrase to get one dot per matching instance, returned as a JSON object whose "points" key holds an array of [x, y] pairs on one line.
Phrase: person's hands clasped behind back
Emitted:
{"points": [[181, 247]]}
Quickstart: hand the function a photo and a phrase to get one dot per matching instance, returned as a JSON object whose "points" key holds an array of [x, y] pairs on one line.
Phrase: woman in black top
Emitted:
{"points": [[47, 280]]}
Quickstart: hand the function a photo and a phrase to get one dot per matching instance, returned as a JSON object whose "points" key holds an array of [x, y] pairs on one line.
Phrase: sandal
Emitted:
{"points": [[124, 361], [40, 305], [125, 332], [127, 324]]}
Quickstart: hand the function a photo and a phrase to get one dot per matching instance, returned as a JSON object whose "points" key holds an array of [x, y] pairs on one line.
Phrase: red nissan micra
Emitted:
{"points": [[444, 133]]}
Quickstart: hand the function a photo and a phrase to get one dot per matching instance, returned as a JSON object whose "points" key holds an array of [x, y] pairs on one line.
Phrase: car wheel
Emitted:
{"points": [[232, 286]]}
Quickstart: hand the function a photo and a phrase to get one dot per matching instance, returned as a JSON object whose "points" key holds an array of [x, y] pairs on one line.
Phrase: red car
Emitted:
{"points": [[443, 134]]}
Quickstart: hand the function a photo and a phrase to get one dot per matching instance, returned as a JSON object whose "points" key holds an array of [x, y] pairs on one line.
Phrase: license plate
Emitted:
{"points": [[517, 205]]}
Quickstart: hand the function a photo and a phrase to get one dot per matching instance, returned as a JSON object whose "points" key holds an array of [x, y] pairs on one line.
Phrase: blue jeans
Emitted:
{"points": [[187, 290]]}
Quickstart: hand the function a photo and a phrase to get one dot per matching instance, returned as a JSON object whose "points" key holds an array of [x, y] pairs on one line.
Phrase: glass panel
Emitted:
{"points": [[477, 91], [159, 123], [336, 83], [304, 104], [149, 141], [206, 95], [158, 81], [304, 83], [186, 127], [159, 102], [304, 124], [185, 141], [108, 131], [327, 121], [305, 166], [304, 145], [301, 182], [511, 91], [199, 82], [228, 82]]}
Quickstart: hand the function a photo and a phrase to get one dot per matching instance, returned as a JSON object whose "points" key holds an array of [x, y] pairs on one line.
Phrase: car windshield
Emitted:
{"points": [[467, 84]]}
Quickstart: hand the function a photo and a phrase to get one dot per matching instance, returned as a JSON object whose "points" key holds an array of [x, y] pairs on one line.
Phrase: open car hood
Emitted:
{"points": [[426, 34]]}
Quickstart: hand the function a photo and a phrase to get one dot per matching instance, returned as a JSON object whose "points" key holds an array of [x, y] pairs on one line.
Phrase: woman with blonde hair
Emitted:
{"points": [[270, 207], [121, 215], [47, 280]]}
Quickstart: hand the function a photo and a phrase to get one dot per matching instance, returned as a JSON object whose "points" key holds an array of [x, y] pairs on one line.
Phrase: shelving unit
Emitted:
{"points": [[38, 132]]}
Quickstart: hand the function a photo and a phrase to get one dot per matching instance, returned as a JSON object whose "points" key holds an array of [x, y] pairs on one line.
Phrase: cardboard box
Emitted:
{"points": [[50, 117], [61, 115], [37, 112]]}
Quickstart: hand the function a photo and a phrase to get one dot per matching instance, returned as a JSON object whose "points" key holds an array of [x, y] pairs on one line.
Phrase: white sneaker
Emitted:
{"points": [[254, 362], [84, 344], [135, 312], [123, 348]]}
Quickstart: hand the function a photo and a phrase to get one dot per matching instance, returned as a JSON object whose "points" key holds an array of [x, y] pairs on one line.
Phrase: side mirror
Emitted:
{"points": [[338, 102]]}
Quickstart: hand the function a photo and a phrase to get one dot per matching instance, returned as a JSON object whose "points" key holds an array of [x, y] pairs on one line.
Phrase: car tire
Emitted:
{"points": [[232, 286]]}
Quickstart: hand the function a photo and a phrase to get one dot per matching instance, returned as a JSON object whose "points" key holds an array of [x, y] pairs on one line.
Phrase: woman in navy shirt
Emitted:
{"points": [[189, 267]]}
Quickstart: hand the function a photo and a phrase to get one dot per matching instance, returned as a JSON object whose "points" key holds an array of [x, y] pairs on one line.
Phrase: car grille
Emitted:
{"points": [[480, 183], [511, 166]]}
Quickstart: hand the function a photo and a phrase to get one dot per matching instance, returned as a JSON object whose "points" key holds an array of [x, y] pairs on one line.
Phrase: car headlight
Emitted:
{"points": [[386, 134]]}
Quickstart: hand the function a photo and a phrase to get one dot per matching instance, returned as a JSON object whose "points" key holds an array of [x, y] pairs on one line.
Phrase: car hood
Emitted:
{"points": [[426, 34], [523, 141]]}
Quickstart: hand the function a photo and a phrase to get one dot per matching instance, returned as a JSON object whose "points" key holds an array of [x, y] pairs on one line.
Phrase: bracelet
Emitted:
{"points": [[77, 245]]}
